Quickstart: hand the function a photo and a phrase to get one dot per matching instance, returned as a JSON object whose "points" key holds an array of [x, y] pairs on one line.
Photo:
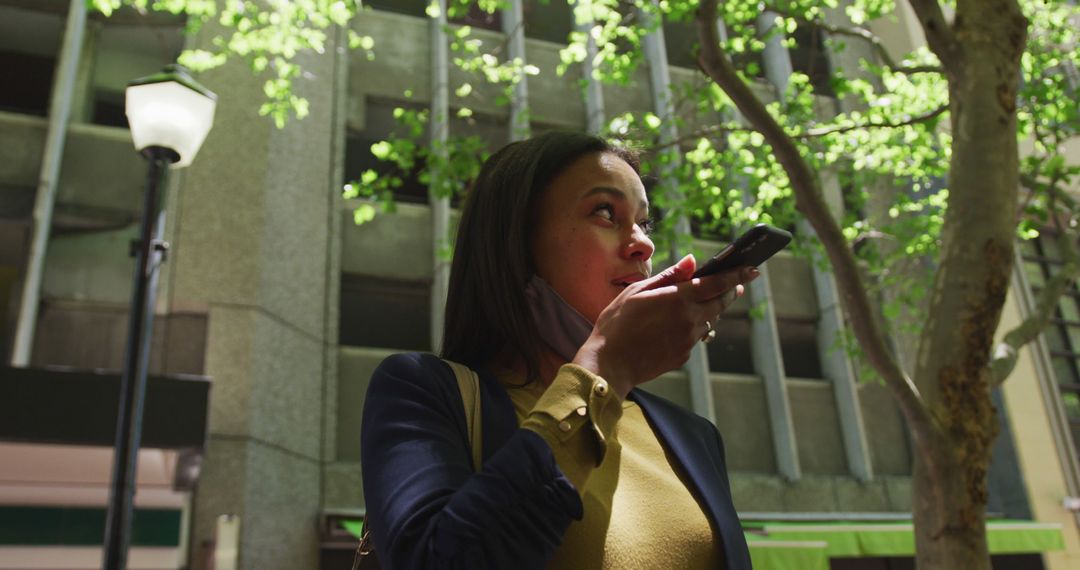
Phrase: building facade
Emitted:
{"points": [[276, 295]]}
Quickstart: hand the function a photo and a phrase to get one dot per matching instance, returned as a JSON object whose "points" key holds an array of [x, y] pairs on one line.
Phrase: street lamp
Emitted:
{"points": [[169, 114]]}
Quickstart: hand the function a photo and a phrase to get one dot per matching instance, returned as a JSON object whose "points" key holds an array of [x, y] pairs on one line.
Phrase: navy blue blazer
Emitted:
{"points": [[427, 508]]}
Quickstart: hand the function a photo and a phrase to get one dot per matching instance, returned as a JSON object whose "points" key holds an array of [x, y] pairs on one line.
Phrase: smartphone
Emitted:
{"points": [[758, 244]]}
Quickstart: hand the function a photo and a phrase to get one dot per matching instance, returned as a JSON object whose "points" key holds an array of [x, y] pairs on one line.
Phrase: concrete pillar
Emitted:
{"points": [[764, 332], [253, 249], [440, 205], [513, 24], [55, 139], [595, 117], [697, 368], [82, 98], [834, 360]]}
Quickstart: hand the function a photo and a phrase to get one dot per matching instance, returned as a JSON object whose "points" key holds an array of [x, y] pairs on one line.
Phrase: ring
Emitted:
{"points": [[710, 333]]}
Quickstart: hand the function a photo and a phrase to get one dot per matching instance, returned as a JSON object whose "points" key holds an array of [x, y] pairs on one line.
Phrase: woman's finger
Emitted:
{"points": [[677, 273], [706, 288]]}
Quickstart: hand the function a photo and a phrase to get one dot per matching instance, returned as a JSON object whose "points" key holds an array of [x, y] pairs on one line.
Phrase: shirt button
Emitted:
{"points": [[564, 425], [601, 388]]}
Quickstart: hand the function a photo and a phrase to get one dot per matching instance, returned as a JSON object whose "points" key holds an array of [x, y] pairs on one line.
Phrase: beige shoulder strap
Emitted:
{"points": [[469, 384]]}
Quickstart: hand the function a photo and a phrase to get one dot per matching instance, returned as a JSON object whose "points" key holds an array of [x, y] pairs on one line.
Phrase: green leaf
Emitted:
{"points": [[363, 213], [381, 150]]}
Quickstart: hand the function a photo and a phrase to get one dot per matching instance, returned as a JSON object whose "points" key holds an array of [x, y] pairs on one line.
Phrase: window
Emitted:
{"points": [[810, 58], [379, 126], [548, 20], [29, 42], [1042, 259], [799, 348], [384, 313], [478, 18], [730, 352], [681, 41], [126, 47], [410, 7], [358, 159]]}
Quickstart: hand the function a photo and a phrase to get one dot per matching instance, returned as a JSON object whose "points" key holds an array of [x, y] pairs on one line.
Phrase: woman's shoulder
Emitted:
{"points": [[416, 368], [411, 362]]}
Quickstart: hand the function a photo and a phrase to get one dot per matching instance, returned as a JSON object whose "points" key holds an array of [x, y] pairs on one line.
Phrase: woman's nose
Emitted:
{"points": [[639, 246]]}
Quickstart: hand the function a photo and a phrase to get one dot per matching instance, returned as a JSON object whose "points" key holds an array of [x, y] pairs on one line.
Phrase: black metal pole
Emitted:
{"points": [[149, 254]]}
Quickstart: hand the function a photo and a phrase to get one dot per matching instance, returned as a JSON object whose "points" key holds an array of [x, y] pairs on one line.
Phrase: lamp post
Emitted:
{"points": [[169, 115]]}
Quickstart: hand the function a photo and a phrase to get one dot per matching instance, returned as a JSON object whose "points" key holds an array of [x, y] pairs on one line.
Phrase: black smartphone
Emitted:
{"points": [[758, 244]]}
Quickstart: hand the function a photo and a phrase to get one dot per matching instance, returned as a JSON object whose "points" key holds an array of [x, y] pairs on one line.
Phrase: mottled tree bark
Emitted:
{"points": [[981, 54]]}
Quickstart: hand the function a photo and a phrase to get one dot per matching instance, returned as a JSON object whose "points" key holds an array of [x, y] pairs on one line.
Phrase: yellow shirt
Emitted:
{"points": [[639, 512]]}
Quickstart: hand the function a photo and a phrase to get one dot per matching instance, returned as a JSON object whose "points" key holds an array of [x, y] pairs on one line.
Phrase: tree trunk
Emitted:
{"points": [[975, 264], [949, 491]]}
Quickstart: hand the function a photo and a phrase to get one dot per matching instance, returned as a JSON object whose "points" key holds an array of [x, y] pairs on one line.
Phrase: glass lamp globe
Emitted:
{"points": [[170, 110]]}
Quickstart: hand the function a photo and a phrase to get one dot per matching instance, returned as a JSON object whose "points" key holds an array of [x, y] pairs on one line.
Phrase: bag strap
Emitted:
{"points": [[469, 384]]}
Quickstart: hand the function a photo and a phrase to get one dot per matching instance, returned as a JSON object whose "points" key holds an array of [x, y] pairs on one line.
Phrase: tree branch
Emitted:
{"points": [[811, 203], [1007, 351], [875, 41], [939, 35], [711, 130], [912, 121]]}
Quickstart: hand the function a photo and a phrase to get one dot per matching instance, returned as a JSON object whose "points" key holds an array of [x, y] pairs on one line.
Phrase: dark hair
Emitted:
{"points": [[486, 309]]}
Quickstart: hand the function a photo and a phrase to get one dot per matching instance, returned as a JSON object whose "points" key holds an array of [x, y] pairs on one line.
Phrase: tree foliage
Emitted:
{"points": [[271, 36], [748, 145]]}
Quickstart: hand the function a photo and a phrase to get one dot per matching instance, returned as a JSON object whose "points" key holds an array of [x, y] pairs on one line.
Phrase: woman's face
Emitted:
{"points": [[590, 238]]}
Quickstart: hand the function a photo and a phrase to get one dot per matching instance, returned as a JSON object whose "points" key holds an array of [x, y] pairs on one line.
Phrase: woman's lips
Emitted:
{"points": [[628, 279]]}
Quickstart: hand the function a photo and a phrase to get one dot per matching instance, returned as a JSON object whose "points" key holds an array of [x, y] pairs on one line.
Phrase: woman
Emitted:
{"points": [[551, 302]]}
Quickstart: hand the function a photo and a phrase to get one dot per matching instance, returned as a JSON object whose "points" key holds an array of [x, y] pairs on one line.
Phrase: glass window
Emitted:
{"points": [[1056, 340], [29, 44], [1065, 370], [681, 40], [384, 313], [1028, 249], [1049, 247], [1072, 405], [1041, 257], [358, 159], [1069, 311], [1034, 274], [799, 348], [809, 57], [126, 48], [478, 18], [1073, 335], [410, 7], [730, 352], [548, 20], [379, 125]]}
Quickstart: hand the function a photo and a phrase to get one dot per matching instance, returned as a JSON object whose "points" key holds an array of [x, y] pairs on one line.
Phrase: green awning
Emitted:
{"points": [[770, 554], [808, 546], [898, 539], [355, 527]]}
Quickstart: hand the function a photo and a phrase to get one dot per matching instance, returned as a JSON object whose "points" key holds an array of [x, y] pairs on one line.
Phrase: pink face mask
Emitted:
{"points": [[559, 325]]}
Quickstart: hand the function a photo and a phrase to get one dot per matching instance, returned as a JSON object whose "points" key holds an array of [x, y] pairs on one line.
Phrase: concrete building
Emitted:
{"points": [[270, 291]]}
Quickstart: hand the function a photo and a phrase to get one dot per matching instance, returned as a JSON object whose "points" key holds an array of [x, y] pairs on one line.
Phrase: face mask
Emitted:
{"points": [[560, 326]]}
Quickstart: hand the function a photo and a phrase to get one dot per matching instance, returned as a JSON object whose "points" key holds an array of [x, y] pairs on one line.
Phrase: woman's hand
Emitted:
{"points": [[651, 326]]}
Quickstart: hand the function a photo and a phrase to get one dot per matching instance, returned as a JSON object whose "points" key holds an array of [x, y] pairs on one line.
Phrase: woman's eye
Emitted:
{"points": [[606, 211]]}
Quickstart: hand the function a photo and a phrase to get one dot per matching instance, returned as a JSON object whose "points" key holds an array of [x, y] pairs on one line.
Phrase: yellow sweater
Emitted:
{"points": [[639, 512]]}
